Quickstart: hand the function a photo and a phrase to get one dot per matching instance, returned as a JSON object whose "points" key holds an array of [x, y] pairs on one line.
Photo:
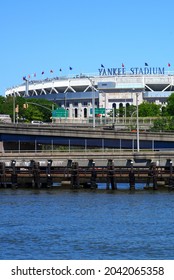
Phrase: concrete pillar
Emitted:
{"points": [[79, 111], [70, 110], [1, 147]]}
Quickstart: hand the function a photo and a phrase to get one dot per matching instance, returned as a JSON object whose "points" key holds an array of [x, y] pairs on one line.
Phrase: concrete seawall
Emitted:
{"points": [[119, 157]]}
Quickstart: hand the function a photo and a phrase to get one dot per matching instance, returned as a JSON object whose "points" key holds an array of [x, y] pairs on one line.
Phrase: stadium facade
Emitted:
{"points": [[110, 88]]}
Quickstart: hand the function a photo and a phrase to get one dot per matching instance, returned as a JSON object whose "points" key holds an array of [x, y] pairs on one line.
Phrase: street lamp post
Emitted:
{"points": [[93, 102], [65, 102], [93, 109], [125, 112], [26, 87], [14, 113], [105, 102], [105, 106], [138, 133]]}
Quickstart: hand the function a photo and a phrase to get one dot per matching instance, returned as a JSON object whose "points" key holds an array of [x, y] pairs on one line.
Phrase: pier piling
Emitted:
{"points": [[75, 175], [154, 174], [171, 179], [131, 177], [111, 175], [45, 174], [93, 183], [36, 174], [2, 175], [14, 174], [49, 177]]}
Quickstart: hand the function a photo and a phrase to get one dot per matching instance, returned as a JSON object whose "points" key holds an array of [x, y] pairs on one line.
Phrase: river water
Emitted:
{"points": [[74, 225]]}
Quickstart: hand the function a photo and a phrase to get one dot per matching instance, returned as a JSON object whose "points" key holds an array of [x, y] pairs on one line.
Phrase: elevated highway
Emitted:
{"points": [[76, 131], [84, 137]]}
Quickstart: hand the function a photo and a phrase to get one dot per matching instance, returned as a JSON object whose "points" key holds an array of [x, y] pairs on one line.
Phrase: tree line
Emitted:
{"points": [[26, 109], [164, 114], [40, 109]]}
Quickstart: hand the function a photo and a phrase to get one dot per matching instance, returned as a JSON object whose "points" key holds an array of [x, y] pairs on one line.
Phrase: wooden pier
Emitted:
{"points": [[74, 176]]}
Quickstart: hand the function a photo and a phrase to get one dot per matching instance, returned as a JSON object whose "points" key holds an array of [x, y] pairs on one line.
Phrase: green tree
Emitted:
{"points": [[147, 109], [11, 103], [160, 124], [170, 105], [40, 111], [163, 124], [130, 110], [2, 105]]}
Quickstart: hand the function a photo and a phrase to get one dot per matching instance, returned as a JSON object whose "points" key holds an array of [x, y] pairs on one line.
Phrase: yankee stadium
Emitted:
{"points": [[109, 88]]}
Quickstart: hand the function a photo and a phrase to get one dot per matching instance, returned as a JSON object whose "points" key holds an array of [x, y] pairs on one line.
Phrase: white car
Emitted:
{"points": [[36, 122]]}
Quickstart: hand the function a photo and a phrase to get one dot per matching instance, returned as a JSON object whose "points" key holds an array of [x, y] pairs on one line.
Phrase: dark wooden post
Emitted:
{"points": [[154, 176], [111, 175], [49, 177], [14, 174], [171, 181], [36, 174], [75, 175], [2, 174], [93, 183], [132, 177]]}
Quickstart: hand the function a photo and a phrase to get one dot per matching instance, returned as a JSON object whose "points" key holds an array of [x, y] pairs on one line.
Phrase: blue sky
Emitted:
{"points": [[40, 35]]}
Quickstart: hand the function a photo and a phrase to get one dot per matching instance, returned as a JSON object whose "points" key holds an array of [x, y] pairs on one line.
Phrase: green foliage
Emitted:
{"points": [[41, 110], [147, 109], [164, 111], [130, 110], [163, 124], [170, 105], [159, 124], [122, 111], [2, 105]]}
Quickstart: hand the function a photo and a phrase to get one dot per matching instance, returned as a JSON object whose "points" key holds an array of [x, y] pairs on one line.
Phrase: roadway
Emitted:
{"points": [[86, 136]]}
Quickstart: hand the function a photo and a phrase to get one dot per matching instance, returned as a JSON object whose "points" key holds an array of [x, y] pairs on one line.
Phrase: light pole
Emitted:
{"points": [[105, 106], [105, 103], [93, 102], [26, 87], [65, 106], [52, 107], [125, 112], [138, 133], [14, 115], [93, 109]]}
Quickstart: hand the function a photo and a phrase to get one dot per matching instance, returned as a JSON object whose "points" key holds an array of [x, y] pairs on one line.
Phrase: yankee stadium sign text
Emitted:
{"points": [[132, 71]]}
